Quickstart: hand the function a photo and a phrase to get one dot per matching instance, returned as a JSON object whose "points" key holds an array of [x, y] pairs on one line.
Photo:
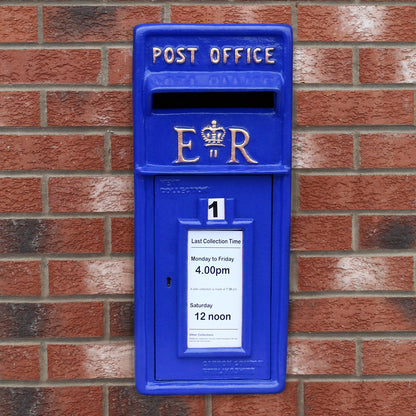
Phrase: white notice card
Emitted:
{"points": [[215, 288]]}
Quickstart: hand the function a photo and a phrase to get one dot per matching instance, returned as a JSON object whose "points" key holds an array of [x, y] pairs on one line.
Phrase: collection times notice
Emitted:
{"points": [[215, 288]]}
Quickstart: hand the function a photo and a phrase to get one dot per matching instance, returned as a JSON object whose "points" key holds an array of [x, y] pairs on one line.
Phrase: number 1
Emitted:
{"points": [[216, 209]]}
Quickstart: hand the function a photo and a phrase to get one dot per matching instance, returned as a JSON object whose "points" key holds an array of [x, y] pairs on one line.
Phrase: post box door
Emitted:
{"points": [[212, 312]]}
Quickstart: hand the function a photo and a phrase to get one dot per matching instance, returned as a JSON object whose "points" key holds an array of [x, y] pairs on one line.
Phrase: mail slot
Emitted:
{"points": [[212, 164]]}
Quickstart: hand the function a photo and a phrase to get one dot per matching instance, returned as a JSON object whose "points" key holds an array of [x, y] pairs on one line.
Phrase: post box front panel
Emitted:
{"points": [[212, 155], [210, 323]]}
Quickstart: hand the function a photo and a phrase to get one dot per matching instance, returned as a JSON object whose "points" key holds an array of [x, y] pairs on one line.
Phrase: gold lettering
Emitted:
{"points": [[257, 60], [269, 56], [237, 54], [180, 60], [214, 59], [169, 55], [248, 55], [239, 146], [181, 145], [225, 54], [192, 50], [156, 52]]}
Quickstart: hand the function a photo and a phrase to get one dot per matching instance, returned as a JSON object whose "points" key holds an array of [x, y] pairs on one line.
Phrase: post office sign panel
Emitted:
{"points": [[184, 75], [212, 150]]}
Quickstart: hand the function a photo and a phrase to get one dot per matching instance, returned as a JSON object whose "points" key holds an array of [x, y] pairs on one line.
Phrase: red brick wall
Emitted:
{"points": [[66, 209]]}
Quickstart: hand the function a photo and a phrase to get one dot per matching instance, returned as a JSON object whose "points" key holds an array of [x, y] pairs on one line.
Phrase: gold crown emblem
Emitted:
{"points": [[213, 135]]}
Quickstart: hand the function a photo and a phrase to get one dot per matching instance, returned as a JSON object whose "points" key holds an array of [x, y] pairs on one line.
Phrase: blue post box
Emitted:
{"points": [[212, 156]]}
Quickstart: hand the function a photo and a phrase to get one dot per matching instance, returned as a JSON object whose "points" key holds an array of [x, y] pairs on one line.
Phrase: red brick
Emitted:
{"points": [[122, 231], [51, 320], [386, 66], [19, 109], [88, 108], [20, 195], [232, 14], [18, 24], [90, 277], [381, 398], [318, 151], [315, 65], [122, 152], [321, 233], [46, 152], [95, 23], [389, 357], [371, 192], [257, 404], [120, 62], [51, 401], [387, 232], [93, 194], [356, 23], [355, 273], [90, 361], [353, 314], [124, 401], [20, 278], [19, 362], [52, 66], [388, 151], [121, 319], [307, 356], [69, 235], [348, 108]]}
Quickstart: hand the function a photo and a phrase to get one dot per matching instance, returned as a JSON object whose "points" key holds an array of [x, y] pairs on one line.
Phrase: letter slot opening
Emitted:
{"points": [[199, 100]]}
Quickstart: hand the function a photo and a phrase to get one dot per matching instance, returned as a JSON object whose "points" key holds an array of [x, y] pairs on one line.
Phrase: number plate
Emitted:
{"points": [[216, 209]]}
